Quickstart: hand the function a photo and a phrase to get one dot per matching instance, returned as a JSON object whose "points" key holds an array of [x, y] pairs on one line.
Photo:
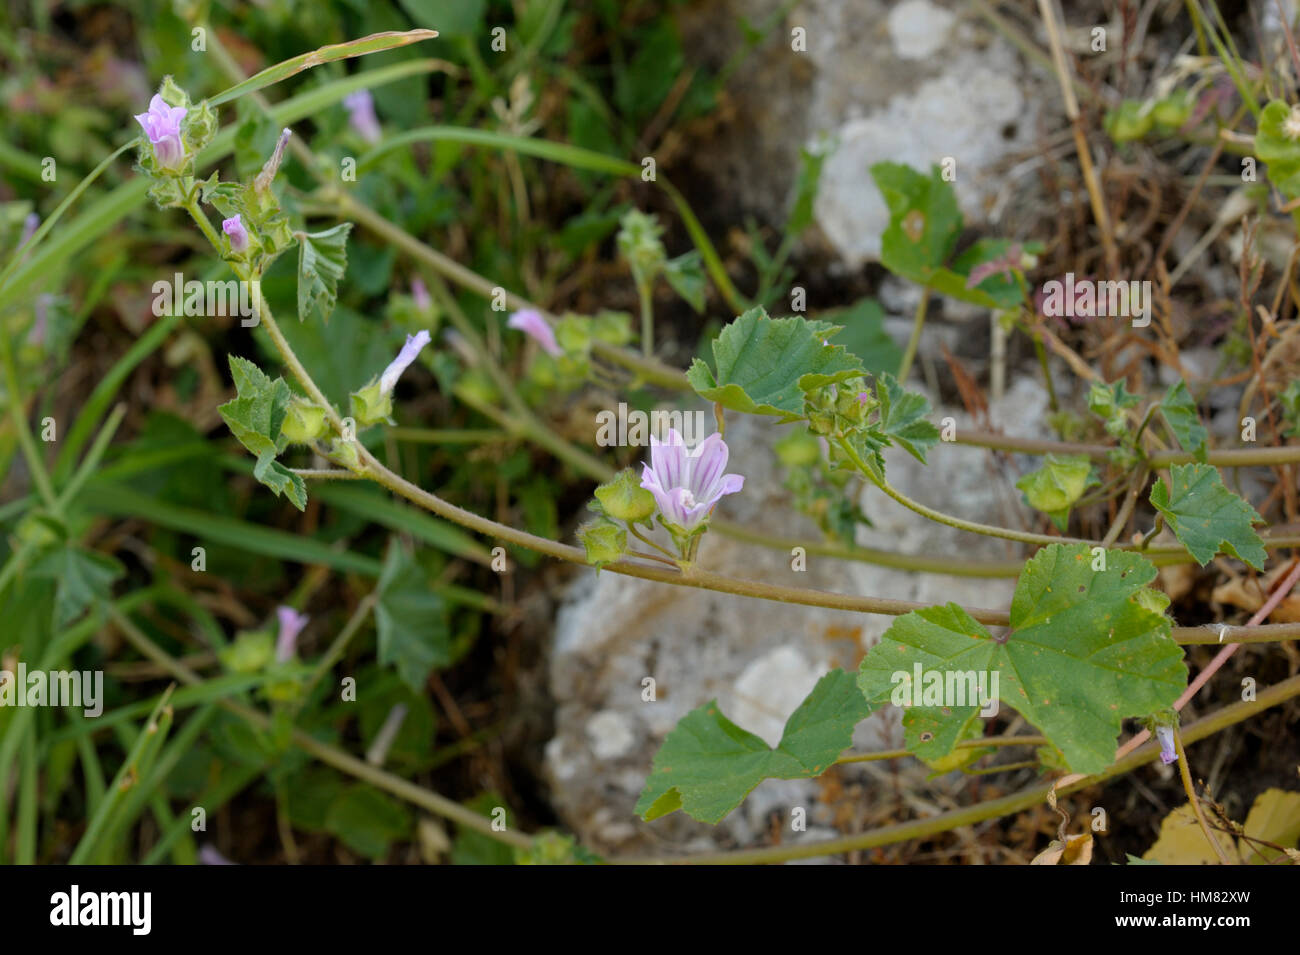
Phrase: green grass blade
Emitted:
{"points": [[577, 158], [230, 532], [375, 43], [149, 737]]}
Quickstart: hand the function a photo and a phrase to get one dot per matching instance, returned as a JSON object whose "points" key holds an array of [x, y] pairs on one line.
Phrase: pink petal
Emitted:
{"points": [[709, 460]]}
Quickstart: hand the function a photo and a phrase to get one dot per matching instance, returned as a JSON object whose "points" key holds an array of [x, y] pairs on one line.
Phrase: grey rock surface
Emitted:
{"points": [[914, 82]]}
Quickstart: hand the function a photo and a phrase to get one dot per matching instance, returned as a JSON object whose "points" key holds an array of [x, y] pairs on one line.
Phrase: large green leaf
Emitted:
{"points": [[924, 220], [255, 416], [765, 364], [708, 764], [322, 259], [1206, 517], [1086, 649], [414, 632]]}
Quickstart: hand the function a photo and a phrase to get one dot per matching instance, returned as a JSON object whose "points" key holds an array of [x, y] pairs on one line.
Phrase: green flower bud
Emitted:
{"points": [[855, 402], [249, 653], [304, 422], [821, 422], [820, 399], [553, 848], [638, 242], [625, 499], [544, 372], [573, 334], [345, 453], [200, 127], [172, 94], [372, 405], [613, 328], [286, 688], [165, 192], [1130, 121], [603, 540], [1172, 112]]}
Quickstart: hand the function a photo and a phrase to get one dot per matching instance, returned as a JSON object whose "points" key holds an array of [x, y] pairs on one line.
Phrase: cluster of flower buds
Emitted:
{"points": [[639, 244], [566, 344], [1134, 119], [839, 409], [254, 224], [275, 654]]}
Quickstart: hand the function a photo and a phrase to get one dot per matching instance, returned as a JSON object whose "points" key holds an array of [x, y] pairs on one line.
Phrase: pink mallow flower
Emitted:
{"points": [[235, 231], [388, 380], [421, 295], [687, 485], [291, 624], [162, 124], [533, 324], [361, 115], [1168, 751]]}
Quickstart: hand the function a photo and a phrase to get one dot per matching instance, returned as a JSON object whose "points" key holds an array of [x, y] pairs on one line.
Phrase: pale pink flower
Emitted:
{"points": [[687, 485], [1168, 751], [235, 231], [361, 115], [421, 295], [533, 324], [291, 624], [408, 354], [162, 124]]}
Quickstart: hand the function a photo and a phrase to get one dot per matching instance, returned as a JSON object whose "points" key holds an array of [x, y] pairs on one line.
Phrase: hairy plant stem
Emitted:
{"points": [[914, 341], [1227, 458], [1185, 773], [938, 516], [646, 303], [326, 474], [964, 744]]}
